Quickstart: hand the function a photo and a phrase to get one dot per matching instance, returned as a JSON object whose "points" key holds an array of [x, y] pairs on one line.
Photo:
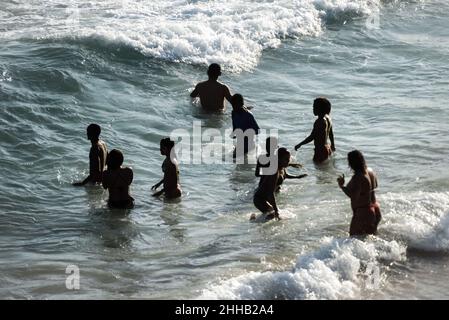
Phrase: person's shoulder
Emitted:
{"points": [[224, 86], [371, 172], [127, 173], [358, 177], [127, 170], [320, 122], [174, 162], [201, 84], [106, 174]]}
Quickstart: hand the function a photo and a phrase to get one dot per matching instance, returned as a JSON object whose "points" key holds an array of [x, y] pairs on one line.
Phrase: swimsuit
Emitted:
{"points": [[322, 153], [365, 220]]}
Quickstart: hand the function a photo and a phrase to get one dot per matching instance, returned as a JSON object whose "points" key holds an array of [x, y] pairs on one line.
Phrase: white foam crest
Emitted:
{"points": [[334, 9], [420, 218], [233, 33], [339, 269]]}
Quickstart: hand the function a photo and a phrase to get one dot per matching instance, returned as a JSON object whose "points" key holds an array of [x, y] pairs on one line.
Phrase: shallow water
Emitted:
{"points": [[130, 66]]}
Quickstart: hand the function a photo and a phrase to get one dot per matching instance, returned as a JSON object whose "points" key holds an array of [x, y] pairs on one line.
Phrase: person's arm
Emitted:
{"points": [[257, 173], [373, 178], [254, 124], [94, 167], [157, 184], [157, 194], [129, 175], [227, 93], [195, 93], [102, 161], [82, 183], [352, 189], [310, 138], [331, 138], [105, 180], [95, 164], [272, 200]]}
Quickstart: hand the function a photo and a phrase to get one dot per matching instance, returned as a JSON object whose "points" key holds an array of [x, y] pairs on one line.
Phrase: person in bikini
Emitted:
{"points": [[263, 162], [171, 188], [365, 209], [322, 131], [264, 198], [117, 180]]}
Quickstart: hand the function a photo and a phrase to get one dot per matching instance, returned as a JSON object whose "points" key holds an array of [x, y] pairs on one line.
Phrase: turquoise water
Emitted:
{"points": [[130, 66]]}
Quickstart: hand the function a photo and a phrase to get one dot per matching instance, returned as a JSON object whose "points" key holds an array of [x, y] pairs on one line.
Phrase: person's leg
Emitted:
{"points": [[357, 224], [263, 206], [322, 154]]}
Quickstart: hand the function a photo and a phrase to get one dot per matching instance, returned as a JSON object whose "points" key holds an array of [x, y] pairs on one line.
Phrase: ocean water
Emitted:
{"points": [[130, 65]]}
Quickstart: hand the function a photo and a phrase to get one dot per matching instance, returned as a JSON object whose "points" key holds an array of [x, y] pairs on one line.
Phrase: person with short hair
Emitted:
{"points": [[211, 92], [263, 163], [171, 187], [322, 131], [97, 156], [366, 211], [264, 198], [243, 120], [117, 180]]}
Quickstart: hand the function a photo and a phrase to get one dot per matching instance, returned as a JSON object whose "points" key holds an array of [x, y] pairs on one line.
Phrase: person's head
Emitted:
{"points": [[237, 101], [271, 144], [356, 161], [114, 159], [93, 131], [283, 158], [321, 106], [214, 71], [166, 146]]}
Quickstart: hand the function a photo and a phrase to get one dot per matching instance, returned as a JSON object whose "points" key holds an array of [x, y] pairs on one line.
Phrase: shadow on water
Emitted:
{"points": [[113, 227], [171, 214], [209, 119], [327, 172]]}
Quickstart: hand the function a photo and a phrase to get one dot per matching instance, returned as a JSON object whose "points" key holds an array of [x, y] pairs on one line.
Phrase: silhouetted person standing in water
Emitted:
{"points": [[365, 209], [322, 131], [247, 128], [271, 146], [170, 181], [211, 92], [117, 180], [264, 198], [97, 156]]}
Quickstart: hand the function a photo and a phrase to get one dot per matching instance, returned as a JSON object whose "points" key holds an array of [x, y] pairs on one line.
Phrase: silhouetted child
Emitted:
{"points": [[211, 92], [365, 209], [264, 198], [244, 126], [263, 163], [322, 131], [170, 181], [117, 180], [97, 156]]}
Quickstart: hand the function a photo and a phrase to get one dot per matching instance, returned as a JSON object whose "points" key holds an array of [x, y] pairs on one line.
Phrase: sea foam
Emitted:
{"points": [[421, 219], [338, 269], [233, 33]]}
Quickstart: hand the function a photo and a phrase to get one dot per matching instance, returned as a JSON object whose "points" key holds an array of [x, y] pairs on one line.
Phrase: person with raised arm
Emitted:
{"points": [[322, 131], [360, 189]]}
